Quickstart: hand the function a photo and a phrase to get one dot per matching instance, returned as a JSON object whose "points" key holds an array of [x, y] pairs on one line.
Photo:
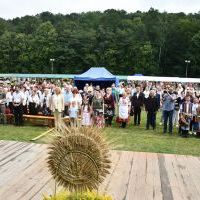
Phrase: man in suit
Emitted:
{"points": [[17, 106], [137, 102], [151, 107]]}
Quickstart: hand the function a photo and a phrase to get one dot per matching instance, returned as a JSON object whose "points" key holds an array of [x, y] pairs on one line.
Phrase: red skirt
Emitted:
{"points": [[120, 120]]}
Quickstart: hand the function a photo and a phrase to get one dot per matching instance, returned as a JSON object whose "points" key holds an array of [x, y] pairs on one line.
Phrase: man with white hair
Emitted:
{"points": [[151, 107]]}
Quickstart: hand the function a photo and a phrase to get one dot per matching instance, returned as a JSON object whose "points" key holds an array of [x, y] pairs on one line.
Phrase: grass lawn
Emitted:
{"points": [[24, 133], [139, 139], [132, 138]]}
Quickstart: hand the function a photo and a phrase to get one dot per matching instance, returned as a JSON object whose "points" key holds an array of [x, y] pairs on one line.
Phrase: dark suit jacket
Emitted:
{"points": [[137, 102], [151, 104]]}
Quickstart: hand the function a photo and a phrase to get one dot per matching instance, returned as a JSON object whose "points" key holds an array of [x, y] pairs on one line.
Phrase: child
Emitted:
{"points": [[184, 122], [100, 121], [86, 114], [73, 114], [196, 125]]}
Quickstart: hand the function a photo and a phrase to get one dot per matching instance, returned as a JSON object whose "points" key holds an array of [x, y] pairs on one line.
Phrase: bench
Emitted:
{"points": [[39, 119], [33, 119]]}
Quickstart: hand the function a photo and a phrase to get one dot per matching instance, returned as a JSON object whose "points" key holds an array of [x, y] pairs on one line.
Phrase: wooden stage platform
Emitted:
{"points": [[133, 176]]}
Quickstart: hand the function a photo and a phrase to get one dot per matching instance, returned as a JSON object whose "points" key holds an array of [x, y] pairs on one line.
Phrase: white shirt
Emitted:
{"points": [[9, 97], [124, 104], [194, 108], [56, 101], [25, 97], [17, 97], [146, 94], [187, 107], [33, 99], [48, 99], [77, 99]]}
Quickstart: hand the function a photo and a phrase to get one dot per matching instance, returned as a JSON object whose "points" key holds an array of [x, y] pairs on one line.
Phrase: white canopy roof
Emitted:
{"points": [[164, 79]]}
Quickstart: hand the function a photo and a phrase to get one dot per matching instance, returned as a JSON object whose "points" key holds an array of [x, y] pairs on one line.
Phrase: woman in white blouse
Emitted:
{"points": [[57, 106], [33, 103], [9, 100], [124, 109]]}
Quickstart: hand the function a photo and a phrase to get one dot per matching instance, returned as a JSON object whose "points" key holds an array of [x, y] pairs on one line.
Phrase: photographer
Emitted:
{"points": [[168, 108]]}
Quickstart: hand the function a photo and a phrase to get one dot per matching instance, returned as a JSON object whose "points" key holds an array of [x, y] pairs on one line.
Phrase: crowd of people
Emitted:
{"points": [[178, 103]]}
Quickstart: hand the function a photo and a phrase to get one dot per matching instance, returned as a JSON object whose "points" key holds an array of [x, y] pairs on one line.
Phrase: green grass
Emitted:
{"points": [[138, 139], [24, 133], [132, 138]]}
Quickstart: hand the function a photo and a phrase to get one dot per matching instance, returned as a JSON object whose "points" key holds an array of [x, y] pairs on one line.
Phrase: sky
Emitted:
{"points": [[17, 8]]}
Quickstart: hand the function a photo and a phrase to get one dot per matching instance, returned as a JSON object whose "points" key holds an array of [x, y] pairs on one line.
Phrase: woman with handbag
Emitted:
{"points": [[109, 106], [98, 109]]}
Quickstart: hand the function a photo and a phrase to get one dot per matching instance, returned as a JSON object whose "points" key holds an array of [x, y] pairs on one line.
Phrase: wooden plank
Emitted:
{"points": [[157, 191], [20, 163], [137, 183], [18, 152], [134, 176], [38, 183], [119, 180], [3, 143], [9, 145], [25, 156], [193, 166], [115, 156], [38, 117], [48, 189], [153, 182], [5, 155], [24, 181], [33, 116], [174, 175], [186, 178]]}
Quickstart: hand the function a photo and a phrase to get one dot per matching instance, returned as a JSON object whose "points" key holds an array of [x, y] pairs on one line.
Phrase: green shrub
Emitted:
{"points": [[64, 195]]}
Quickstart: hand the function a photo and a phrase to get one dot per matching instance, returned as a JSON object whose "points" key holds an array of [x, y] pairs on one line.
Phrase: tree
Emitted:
{"points": [[152, 43], [43, 46]]}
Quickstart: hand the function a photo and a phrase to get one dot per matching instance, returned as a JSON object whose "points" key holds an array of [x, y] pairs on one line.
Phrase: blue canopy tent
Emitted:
{"points": [[96, 76], [138, 75]]}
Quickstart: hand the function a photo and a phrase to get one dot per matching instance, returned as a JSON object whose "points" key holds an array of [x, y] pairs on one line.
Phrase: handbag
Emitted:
{"points": [[132, 112]]}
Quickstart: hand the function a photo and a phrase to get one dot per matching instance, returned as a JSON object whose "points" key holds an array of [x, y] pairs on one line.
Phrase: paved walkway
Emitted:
{"points": [[133, 176]]}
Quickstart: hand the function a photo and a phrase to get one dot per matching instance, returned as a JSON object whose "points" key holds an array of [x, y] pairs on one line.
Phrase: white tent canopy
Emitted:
{"points": [[163, 79]]}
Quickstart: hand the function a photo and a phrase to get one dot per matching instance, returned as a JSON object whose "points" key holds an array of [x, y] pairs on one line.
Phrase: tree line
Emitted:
{"points": [[151, 43]]}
